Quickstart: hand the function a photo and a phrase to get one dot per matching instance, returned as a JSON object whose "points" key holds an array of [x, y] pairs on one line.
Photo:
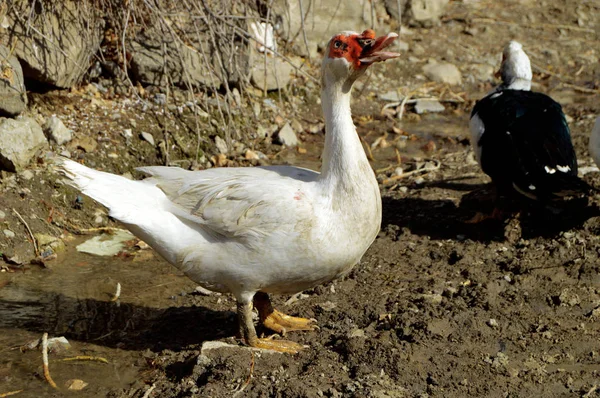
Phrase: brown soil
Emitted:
{"points": [[438, 307]]}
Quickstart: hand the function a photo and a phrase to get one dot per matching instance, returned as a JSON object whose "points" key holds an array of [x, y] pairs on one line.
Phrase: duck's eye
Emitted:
{"points": [[366, 42], [337, 44]]}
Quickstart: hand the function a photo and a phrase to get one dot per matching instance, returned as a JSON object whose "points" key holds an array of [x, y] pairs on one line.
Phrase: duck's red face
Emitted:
{"points": [[361, 50]]}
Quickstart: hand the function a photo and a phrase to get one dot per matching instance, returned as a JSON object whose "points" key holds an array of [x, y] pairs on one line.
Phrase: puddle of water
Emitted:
{"points": [[73, 299]]}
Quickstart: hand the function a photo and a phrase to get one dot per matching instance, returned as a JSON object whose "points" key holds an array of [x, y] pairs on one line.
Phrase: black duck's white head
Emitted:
{"points": [[516, 68]]}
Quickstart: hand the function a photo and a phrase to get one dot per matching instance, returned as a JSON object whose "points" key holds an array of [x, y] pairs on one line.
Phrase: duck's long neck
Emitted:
{"points": [[344, 159], [516, 84]]}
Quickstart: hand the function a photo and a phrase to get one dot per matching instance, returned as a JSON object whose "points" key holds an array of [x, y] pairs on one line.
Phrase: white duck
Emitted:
{"points": [[255, 231]]}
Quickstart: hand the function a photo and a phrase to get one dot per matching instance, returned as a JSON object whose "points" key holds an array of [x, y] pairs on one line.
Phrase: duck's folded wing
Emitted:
{"points": [[236, 203]]}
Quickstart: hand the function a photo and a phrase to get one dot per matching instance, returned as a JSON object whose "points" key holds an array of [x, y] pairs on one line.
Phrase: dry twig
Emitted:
{"points": [[45, 361], [117, 293], [35, 246], [85, 358], [149, 391], [8, 394], [247, 382]]}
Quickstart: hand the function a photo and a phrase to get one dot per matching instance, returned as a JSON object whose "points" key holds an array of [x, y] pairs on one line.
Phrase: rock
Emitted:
{"points": [[127, 134], [56, 44], [428, 105], [2, 215], [75, 384], [483, 72], [391, 96], [87, 144], [106, 245], [443, 72], [159, 58], [20, 140], [286, 136], [12, 85], [423, 13], [57, 131], [251, 155], [26, 175], [147, 137], [9, 234], [221, 145], [278, 72]]}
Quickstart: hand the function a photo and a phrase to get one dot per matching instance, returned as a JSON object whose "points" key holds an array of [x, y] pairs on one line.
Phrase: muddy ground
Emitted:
{"points": [[437, 307]]}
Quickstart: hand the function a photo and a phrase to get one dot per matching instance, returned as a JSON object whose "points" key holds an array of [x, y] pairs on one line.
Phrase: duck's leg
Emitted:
{"points": [[248, 333], [278, 321]]}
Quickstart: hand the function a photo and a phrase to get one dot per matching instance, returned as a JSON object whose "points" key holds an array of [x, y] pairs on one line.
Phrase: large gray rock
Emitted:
{"points": [[417, 12], [323, 19], [187, 53], [55, 40], [443, 72], [13, 99], [279, 72], [20, 139]]}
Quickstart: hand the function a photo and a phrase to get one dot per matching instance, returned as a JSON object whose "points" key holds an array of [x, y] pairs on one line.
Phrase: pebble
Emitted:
{"points": [[147, 137], [251, 155], [221, 145], [2, 215], [127, 133], [492, 323], [57, 131], [26, 175], [202, 291], [443, 72], [391, 96], [286, 136], [428, 105], [113, 155], [9, 234]]}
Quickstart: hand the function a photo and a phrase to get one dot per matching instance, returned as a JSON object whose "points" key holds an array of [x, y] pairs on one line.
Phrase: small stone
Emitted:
{"points": [[2, 215], [66, 154], [286, 136], [301, 150], [147, 137], [88, 144], [391, 96], [113, 155], [251, 155], [429, 147], [9, 234], [27, 175], [428, 105], [297, 126], [316, 128], [443, 72], [56, 131], [76, 384], [357, 333], [127, 133], [327, 306], [43, 239], [202, 291], [99, 220], [221, 145], [492, 323]]}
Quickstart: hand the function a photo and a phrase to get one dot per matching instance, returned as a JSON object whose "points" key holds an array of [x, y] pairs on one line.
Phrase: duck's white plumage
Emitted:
{"points": [[264, 229]]}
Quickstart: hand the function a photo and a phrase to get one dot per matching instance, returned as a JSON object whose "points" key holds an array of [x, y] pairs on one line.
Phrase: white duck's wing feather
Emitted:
{"points": [[239, 203]]}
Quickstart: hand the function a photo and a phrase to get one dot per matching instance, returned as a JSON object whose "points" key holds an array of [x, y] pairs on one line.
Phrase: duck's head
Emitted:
{"points": [[515, 69], [349, 54]]}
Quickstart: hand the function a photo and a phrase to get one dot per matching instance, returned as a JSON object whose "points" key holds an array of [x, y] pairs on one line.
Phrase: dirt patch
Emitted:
{"points": [[437, 307]]}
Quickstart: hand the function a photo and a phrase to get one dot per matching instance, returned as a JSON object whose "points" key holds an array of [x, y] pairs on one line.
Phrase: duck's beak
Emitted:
{"points": [[372, 47]]}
